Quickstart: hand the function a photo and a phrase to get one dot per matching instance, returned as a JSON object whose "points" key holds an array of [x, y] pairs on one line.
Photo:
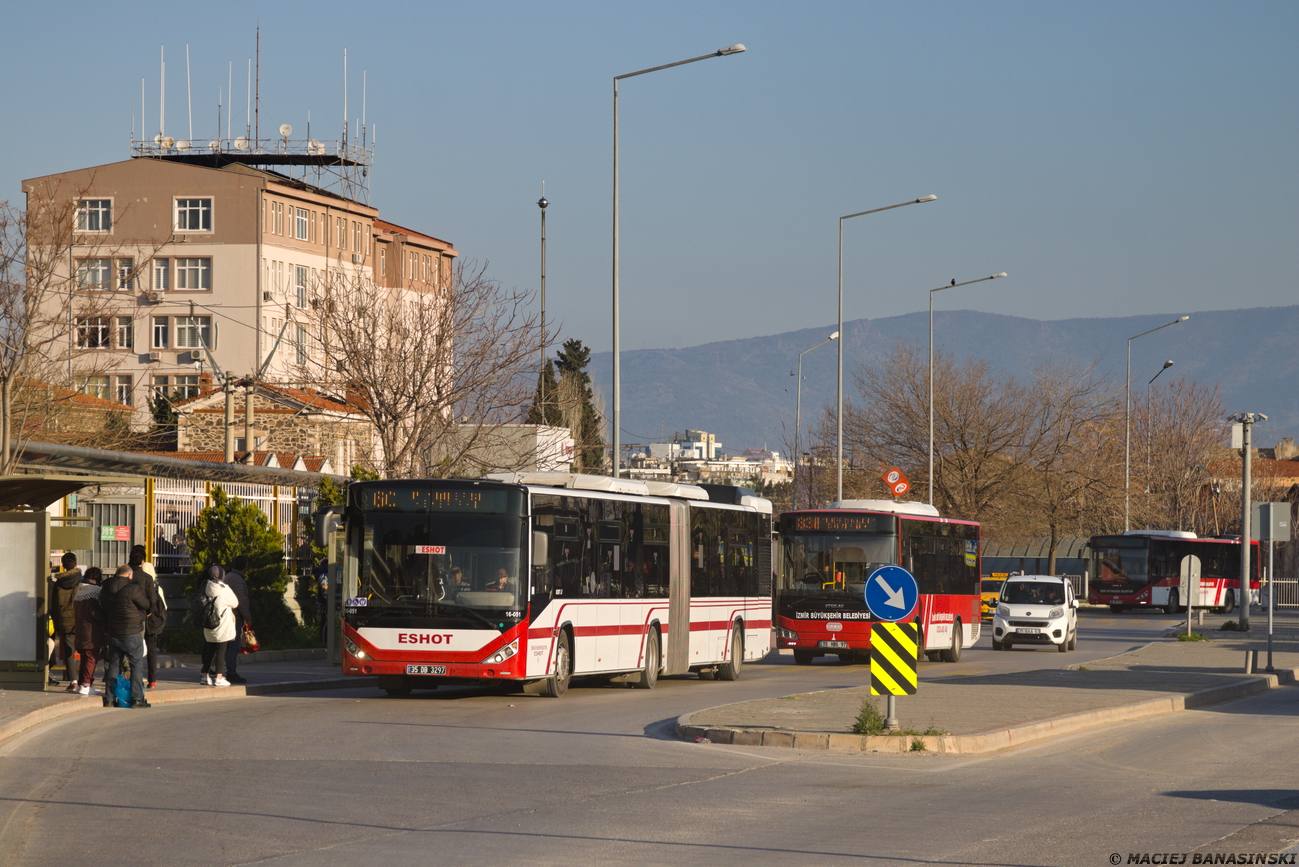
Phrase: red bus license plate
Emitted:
{"points": [[426, 669], [832, 644]]}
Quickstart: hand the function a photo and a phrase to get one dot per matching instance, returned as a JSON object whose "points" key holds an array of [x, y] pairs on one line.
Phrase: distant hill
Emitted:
{"points": [[743, 391]]}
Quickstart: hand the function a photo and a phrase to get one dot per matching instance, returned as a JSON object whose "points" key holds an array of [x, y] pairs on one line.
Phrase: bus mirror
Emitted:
{"points": [[328, 520], [540, 547]]}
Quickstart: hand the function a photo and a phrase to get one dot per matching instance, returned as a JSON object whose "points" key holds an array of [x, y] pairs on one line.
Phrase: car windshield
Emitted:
{"points": [[1033, 593]]}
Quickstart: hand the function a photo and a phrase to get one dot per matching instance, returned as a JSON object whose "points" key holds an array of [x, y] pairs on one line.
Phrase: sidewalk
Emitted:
{"points": [[981, 714], [268, 672]]}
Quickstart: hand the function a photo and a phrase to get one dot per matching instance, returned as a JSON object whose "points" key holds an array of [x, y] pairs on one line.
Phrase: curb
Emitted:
{"points": [[984, 742], [85, 704]]}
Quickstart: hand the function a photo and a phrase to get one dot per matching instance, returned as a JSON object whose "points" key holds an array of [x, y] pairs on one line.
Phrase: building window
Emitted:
{"points": [[186, 387], [194, 332], [313, 227], [301, 344], [383, 261], [161, 275], [161, 386], [300, 284], [95, 215], [341, 233], [125, 333], [160, 332], [123, 394], [126, 275], [93, 332], [193, 215], [356, 236], [95, 274], [300, 224], [279, 218], [95, 386], [194, 274]]}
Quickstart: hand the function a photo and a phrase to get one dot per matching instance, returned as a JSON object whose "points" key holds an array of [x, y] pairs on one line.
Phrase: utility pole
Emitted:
{"points": [[1240, 438]]}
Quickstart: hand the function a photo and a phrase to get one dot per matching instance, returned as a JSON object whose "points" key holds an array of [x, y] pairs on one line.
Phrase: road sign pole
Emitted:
{"points": [[891, 713]]}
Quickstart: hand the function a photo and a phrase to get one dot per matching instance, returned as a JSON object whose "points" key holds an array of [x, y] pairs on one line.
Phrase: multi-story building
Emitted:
{"points": [[189, 250]]}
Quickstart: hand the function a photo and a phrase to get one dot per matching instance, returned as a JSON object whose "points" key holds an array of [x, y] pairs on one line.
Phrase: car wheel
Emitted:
{"points": [[998, 645], [1064, 642], [1171, 607], [1073, 638]]}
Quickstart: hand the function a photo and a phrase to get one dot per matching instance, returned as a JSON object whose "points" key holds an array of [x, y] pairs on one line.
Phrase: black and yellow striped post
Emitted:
{"points": [[894, 652]]}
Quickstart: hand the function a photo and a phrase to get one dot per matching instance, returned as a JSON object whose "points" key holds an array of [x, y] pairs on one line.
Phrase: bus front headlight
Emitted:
{"points": [[350, 646], [503, 654]]}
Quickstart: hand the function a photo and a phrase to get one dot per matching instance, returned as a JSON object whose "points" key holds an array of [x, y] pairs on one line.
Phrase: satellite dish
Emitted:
{"points": [[157, 139], [286, 130], [168, 142], [213, 145], [182, 145], [241, 144]]}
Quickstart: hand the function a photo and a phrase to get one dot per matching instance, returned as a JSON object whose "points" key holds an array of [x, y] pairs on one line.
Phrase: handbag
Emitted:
{"points": [[248, 641]]}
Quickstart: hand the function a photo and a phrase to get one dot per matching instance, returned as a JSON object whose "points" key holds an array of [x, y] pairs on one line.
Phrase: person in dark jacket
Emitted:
{"points": [[125, 607], [63, 587], [90, 629], [156, 619], [237, 581]]}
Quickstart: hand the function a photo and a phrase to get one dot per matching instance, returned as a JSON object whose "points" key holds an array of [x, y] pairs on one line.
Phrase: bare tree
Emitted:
{"points": [[55, 299], [436, 371], [1177, 432]]}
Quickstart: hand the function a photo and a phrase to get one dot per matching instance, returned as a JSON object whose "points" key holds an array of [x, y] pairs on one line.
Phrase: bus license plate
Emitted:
{"points": [[426, 669], [832, 644], [1028, 631]]}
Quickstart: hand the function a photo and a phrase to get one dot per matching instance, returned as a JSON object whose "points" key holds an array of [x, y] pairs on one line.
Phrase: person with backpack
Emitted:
{"points": [[125, 606], [156, 619], [218, 620]]}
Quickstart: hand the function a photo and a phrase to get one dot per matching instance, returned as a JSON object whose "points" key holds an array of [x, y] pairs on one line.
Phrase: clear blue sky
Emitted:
{"points": [[1115, 158]]}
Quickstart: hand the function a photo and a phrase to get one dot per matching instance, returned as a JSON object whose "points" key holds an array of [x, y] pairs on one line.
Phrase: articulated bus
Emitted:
{"points": [[534, 578], [828, 554], [1143, 569]]}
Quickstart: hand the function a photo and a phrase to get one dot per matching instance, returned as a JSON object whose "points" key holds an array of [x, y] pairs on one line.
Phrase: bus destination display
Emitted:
{"points": [[422, 499], [829, 522]]}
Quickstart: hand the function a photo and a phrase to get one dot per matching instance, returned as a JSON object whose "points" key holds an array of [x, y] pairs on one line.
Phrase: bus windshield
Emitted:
{"points": [[826, 564], [1120, 567], [452, 567]]}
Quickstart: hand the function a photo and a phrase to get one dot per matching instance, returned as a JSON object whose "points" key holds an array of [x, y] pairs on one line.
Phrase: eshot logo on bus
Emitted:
{"points": [[423, 637]]}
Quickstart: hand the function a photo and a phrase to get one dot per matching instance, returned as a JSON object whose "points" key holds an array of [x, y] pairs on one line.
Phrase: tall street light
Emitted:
{"points": [[951, 285], [798, 411], [616, 419], [1149, 416], [1127, 425], [541, 380], [838, 406]]}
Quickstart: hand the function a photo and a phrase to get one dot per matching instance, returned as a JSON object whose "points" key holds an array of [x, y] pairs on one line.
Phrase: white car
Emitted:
{"points": [[1036, 609]]}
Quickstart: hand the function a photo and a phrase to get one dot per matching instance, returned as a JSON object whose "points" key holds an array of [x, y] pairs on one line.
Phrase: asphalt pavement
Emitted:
{"points": [[960, 714]]}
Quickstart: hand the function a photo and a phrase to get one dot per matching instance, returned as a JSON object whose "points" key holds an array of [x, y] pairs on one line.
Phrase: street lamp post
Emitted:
{"points": [[838, 406], [1127, 426], [798, 411], [951, 285], [616, 417], [1245, 420], [541, 376], [1149, 432]]}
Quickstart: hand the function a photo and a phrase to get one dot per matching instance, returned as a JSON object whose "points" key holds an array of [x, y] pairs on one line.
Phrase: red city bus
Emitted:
{"points": [[827, 555], [534, 578], [1143, 569]]}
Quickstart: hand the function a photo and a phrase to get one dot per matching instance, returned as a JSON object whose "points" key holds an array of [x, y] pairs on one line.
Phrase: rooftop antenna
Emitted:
{"points": [[162, 91], [345, 99], [257, 106], [143, 126], [230, 89], [248, 102], [189, 94], [363, 92]]}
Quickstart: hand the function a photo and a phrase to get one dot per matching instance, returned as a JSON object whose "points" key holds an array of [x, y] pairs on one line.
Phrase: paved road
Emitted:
{"points": [[466, 776]]}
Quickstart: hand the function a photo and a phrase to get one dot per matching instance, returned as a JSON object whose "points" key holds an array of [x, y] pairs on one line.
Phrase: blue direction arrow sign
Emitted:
{"points": [[891, 593]]}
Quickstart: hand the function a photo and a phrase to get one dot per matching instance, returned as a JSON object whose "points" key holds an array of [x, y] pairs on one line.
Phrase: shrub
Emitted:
{"points": [[870, 721], [1190, 636]]}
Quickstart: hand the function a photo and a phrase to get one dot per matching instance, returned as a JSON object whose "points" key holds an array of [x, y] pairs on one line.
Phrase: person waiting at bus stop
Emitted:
{"points": [[125, 606]]}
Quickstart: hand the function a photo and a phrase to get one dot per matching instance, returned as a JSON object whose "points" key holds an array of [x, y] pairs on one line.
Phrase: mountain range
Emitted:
{"points": [[744, 391]]}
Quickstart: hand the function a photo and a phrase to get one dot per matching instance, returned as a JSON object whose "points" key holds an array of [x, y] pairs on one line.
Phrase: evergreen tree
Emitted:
{"points": [[230, 527], [584, 422], [545, 407]]}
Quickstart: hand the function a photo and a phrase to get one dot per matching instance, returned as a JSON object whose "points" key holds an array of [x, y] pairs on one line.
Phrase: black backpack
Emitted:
{"points": [[210, 614]]}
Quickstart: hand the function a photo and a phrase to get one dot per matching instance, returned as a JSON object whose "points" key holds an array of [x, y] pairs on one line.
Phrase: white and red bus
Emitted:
{"points": [[827, 555], [1143, 569], [534, 578]]}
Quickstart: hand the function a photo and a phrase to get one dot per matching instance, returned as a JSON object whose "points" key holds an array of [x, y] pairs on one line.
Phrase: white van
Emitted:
{"points": [[1036, 609]]}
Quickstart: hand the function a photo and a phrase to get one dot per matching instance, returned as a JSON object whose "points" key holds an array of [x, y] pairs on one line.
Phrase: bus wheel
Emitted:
{"points": [[1229, 602], [650, 673], [397, 691], [1116, 609], [954, 653], [558, 683], [730, 669], [803, 657], [1171, 607]]}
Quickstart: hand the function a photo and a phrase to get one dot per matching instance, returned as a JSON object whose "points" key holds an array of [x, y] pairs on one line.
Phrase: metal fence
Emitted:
{"points": [[178, 502]]}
